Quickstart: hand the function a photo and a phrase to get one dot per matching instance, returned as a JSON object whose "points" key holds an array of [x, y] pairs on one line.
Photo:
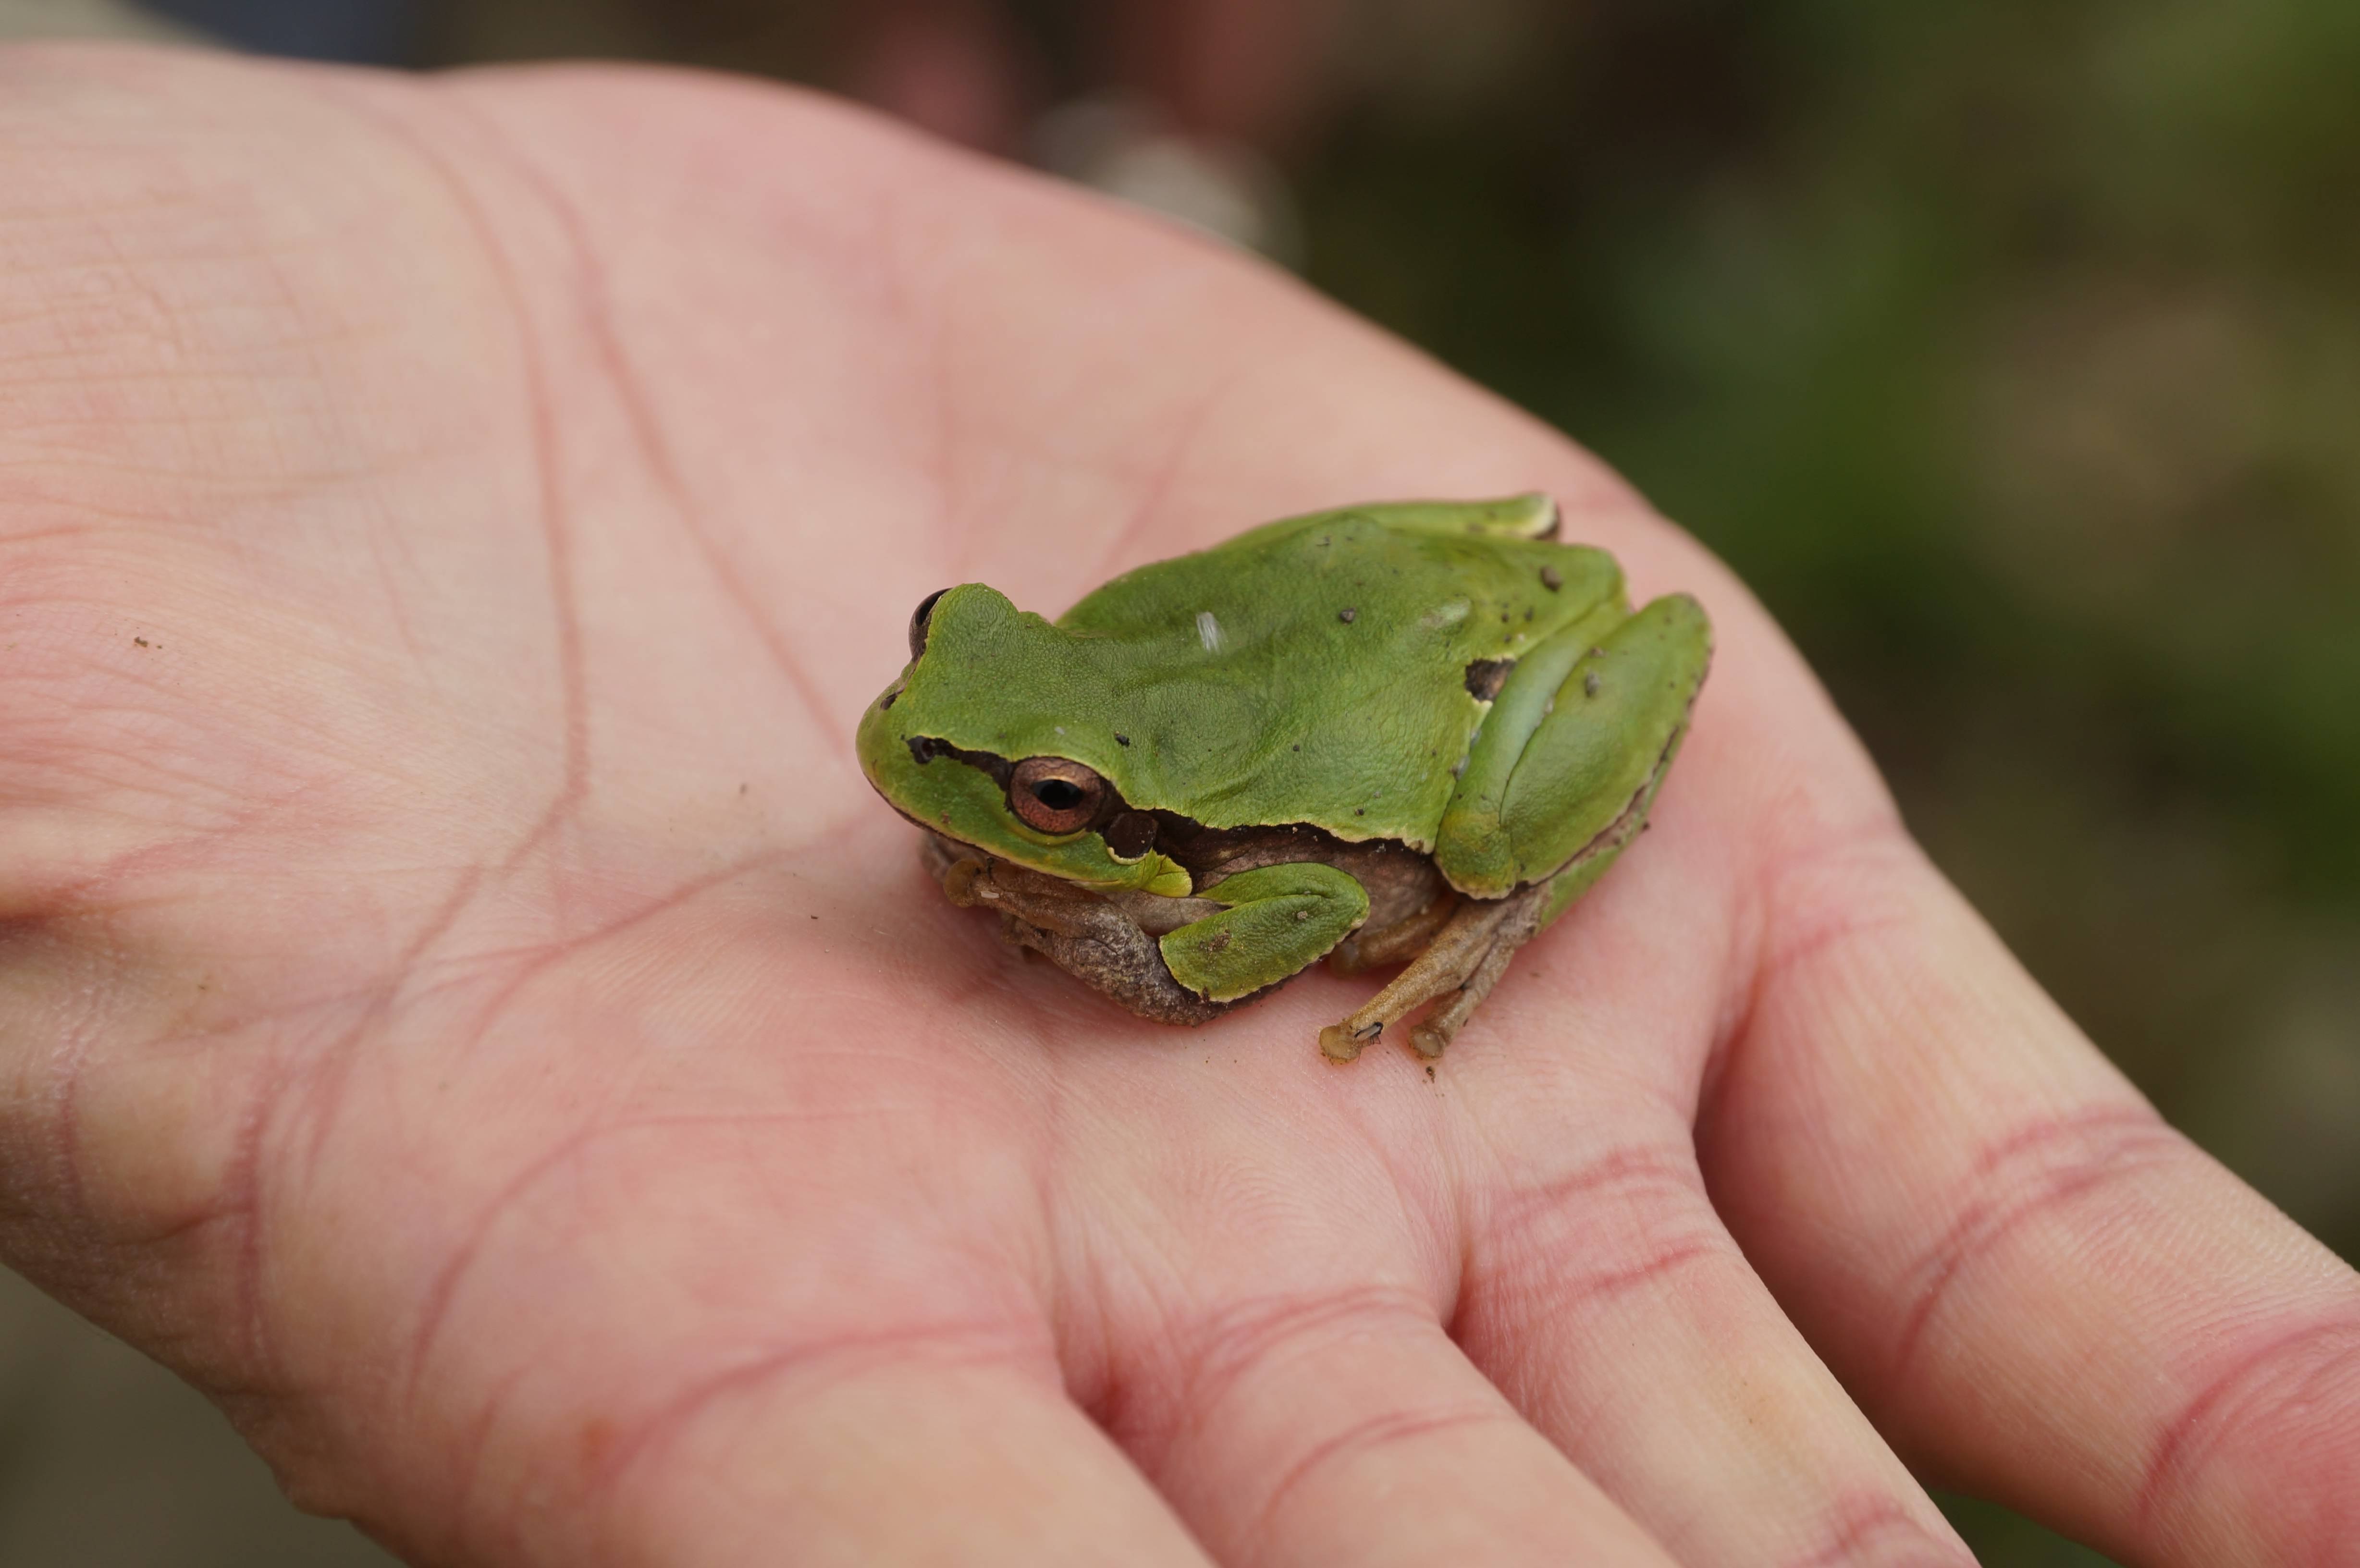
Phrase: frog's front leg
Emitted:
{"points": [[1275, 922], [1091, 938]]}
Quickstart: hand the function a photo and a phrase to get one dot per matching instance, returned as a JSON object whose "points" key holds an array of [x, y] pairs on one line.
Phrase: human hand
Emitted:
{"points": [[466, 1011]]}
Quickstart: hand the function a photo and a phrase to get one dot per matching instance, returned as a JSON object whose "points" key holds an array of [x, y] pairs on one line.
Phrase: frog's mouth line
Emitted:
{"points": [[1207, 855], [1129, 834], [1173, 831], [1153, 913], [924, 749]]}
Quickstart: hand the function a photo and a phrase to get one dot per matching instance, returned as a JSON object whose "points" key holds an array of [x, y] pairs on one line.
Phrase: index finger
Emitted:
{"points": [[2032, 1284]]}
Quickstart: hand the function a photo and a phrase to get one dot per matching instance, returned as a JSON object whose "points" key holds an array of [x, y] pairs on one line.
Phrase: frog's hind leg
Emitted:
{"points": [[1431, 1033], [1398, 942], [1458, 968]]}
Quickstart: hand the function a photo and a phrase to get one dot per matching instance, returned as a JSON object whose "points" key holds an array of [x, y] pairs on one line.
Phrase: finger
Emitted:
{"points": [[1603, 1292], [1610, 1304], [912, 1462], [2034, 1285], [1346, 1427]]}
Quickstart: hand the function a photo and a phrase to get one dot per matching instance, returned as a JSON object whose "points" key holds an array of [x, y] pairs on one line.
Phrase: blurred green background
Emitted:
{"points": [[2011, 352]]}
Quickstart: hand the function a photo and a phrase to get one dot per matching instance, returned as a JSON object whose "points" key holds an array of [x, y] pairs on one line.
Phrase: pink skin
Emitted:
{"points": [[466, 1011]]}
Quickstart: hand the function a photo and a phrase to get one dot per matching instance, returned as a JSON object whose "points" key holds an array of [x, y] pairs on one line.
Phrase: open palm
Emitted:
{"points": [[464, 1008]]}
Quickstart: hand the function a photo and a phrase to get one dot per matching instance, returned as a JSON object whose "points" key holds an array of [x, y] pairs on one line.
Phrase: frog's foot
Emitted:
{"points": [[1460, 967], [1396, 943]]}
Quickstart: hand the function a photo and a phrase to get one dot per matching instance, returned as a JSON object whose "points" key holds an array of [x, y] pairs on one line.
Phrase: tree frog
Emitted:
{"points": [[1415, 731]]}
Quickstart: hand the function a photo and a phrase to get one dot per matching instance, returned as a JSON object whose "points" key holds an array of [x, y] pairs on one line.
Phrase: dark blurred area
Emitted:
{"points": [[374, 32], [2011, 352]]}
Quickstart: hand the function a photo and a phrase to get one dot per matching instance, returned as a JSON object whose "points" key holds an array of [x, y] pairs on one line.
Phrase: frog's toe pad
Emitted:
{"points": [[1340, 1044]]}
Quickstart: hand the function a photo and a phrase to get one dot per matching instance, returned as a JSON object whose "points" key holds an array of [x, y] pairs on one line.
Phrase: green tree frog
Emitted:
{"points": [[1410, 732]]}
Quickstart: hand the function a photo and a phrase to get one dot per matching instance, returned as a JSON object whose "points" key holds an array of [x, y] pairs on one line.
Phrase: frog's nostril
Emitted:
{"points": [[919, 618]]}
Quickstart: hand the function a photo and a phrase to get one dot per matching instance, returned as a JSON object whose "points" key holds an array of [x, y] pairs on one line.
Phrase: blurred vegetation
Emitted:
{"points": [[2012, 354], [108, 1461]]}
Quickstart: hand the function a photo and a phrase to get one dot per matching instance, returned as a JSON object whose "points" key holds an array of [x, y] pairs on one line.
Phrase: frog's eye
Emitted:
{"points": [[1051, 795], [918, 619]]}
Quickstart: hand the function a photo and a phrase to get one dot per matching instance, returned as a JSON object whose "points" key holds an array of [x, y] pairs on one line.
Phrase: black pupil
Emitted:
{"points": [[1058, 794]]}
